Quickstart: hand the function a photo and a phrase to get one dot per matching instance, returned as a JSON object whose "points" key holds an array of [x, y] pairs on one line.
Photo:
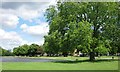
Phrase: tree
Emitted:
{"points": [[93, 19], [21, 50], [40, 51], [52, 44], [4, 52], [24, 49], [0, 51], [16, 51], [33, 49]]}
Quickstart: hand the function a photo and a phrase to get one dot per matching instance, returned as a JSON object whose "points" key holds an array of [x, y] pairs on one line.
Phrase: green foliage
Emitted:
{"points": [[83, 26], [16, 51], [101, 49], [112, 32], [28, 50], [4, 52], [52, 43], [0, 51]]}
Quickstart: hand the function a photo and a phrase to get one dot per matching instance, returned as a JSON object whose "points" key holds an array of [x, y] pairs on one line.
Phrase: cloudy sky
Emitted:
{"points": [[23, 23]]}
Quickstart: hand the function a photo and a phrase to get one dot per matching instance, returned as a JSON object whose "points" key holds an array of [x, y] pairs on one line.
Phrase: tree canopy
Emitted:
{"points": [[88, 26], [28, 50], [4, 52]]}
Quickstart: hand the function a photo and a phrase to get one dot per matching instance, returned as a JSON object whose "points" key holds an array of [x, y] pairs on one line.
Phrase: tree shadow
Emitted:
{"points": [[81, 61]]}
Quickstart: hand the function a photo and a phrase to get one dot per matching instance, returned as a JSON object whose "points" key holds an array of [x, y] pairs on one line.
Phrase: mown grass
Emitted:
{"points": [[60, 66], [79, 58], [102, 63]]}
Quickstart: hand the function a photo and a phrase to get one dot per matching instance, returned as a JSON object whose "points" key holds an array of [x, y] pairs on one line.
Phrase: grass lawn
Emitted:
{"points": [[74, 58], [81, 64]]}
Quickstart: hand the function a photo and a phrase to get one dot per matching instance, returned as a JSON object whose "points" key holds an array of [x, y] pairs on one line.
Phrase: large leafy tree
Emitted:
{"points": [[84, 26]]}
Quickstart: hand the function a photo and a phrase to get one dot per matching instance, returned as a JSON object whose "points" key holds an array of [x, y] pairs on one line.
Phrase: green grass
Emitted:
{"points": [[63, 58], [0, 66], [81, 64], [60, 66]]}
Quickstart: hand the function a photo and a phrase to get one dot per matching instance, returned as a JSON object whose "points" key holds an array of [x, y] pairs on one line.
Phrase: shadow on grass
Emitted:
{"points": [[80, 61]]}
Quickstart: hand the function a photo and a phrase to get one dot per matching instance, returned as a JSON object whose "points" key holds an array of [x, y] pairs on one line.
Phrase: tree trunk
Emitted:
{"points": [[65, 54], [92, 56]]}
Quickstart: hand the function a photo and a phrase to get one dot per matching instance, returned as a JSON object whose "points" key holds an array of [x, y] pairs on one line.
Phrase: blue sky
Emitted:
{"points": [[23, 23]]}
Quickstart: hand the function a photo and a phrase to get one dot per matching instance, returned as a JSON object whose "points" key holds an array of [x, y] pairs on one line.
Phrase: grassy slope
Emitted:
{"points": [[81, 65]]}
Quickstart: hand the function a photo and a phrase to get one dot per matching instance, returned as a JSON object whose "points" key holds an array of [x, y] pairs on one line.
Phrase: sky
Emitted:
{"points": [[23, 23]]}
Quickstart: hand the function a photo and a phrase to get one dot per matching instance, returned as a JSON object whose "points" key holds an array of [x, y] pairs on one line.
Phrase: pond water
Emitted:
{"points": [[24, 59]]}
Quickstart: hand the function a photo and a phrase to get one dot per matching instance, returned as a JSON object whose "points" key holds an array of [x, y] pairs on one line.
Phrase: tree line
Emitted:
{"points": [[23, 50], [4, 52], [28, 50]]}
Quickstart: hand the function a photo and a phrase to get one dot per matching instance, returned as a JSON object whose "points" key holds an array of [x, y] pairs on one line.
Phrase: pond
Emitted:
{"points": [[25, 59]]}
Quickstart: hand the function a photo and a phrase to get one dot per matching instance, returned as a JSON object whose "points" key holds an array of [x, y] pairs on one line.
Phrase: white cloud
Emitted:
{"points": [[9, 14], [40, 30], [9, 40], [27, 14], [28, 0], [24, 27], [8, 20], [36, 42], [27, 10], [53, 2]]}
